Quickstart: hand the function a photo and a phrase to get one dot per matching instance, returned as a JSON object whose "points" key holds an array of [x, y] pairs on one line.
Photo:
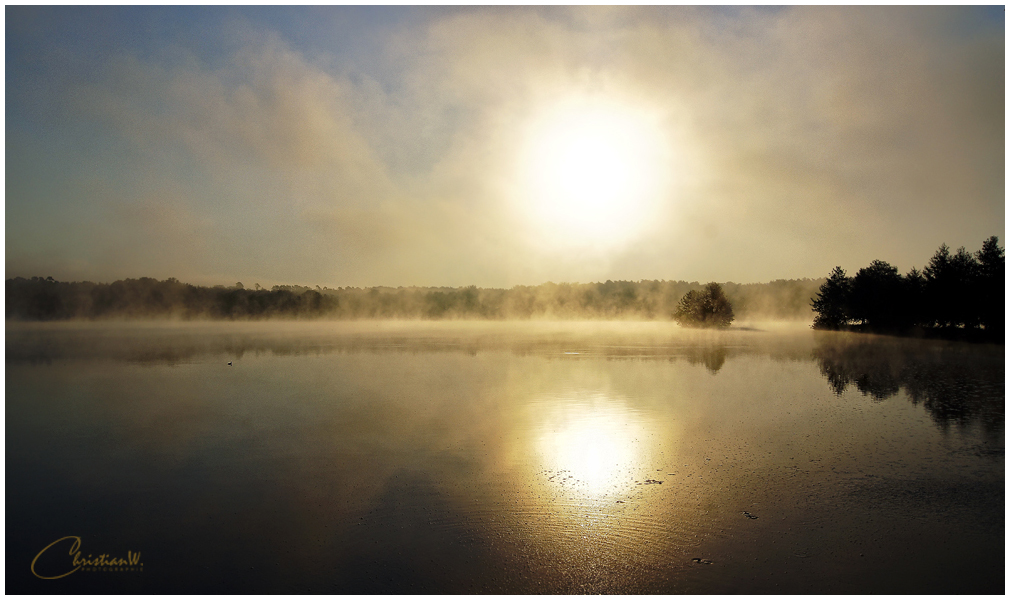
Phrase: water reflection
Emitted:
{"points": [[712, 356], [43, 343], [459, 459], [590, 443], [958, 384]]}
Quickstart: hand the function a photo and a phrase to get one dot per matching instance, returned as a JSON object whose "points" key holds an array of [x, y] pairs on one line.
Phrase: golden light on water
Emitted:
{"points": [[593, 446], [593, 171]]}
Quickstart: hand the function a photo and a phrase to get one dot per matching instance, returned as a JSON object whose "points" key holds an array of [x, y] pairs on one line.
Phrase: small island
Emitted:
{"points": [[704, 308]]}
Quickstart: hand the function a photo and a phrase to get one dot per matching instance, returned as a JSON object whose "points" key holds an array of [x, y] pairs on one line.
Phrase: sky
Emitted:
{"points": [[498, 146]]}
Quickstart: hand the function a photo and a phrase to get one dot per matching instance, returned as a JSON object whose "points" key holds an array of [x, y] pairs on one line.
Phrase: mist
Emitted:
{"points": [[147, 298]]}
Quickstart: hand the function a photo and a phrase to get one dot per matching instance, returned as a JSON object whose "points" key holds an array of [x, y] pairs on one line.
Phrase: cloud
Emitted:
{"points": [[803, 137]]}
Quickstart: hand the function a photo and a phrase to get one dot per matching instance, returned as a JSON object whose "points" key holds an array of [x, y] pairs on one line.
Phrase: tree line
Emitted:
{"points": [[955, 293], [46, 299]]}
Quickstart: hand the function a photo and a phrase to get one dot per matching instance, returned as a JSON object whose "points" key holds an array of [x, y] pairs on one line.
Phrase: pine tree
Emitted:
{"points": [[832, 302], [989, 289]]}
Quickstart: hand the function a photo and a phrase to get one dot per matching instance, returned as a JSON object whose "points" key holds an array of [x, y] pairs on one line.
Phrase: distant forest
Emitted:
{"points": [[959, 294], [44, 299]]}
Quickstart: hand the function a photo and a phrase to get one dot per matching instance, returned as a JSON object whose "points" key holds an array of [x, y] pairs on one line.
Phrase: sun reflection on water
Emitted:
{"points": [[592, 444]]}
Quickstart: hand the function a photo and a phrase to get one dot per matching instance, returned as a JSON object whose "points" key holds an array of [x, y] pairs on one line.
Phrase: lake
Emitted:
{"points": [[487, 457]]}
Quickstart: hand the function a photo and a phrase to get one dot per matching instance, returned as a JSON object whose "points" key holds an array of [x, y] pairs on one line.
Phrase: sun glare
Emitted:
{"points": [[592, 445], [593, 171]]}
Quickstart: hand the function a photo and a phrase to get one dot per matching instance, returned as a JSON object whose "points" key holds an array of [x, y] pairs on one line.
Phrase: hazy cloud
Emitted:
{"points": [[802, 138]]}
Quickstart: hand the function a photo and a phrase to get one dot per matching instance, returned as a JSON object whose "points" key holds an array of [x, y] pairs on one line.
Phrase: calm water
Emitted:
{"points": [[470, 457]]}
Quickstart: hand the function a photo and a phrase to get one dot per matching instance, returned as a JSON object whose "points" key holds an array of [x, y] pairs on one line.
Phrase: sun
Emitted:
{"points": [[592, 171]]}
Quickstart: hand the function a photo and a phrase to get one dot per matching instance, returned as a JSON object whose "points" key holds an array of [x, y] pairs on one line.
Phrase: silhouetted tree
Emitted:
{"points": [[949, 282], [965, 309], [832, 302], [914, 298], [955, 295], [876, 296], [941, 288], [705, 308], [990, 290]]}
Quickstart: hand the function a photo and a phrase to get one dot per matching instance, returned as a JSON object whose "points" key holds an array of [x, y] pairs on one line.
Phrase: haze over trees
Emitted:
{"points": [[47, 299], [707, 307], [954, 292]]}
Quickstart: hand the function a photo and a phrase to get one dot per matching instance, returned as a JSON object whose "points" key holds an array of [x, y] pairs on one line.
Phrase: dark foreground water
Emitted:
{"points": [[488, 457]]}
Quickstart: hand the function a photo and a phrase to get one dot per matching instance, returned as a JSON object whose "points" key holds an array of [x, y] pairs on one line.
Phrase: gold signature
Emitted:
{"points": [[102, 561]]}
